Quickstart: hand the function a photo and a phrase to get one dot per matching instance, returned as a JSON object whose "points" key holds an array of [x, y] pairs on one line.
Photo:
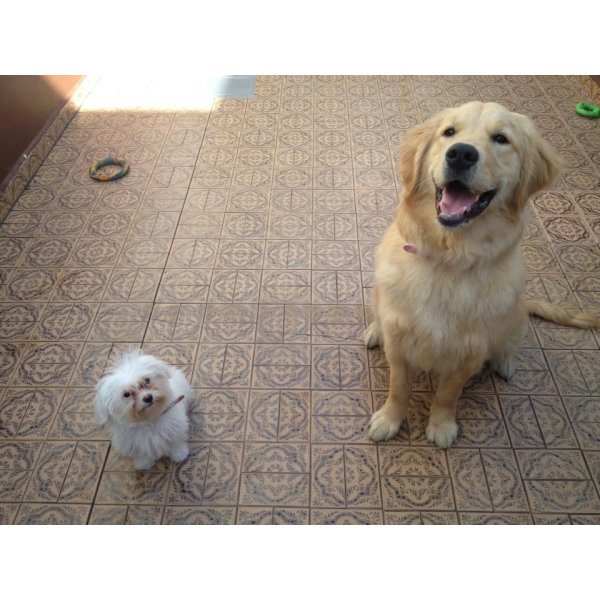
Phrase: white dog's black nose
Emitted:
{"points": [[147, 399], [461, 157]]}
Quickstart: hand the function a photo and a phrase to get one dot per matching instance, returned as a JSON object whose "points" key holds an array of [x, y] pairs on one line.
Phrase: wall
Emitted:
{"points": [[28, 105]]}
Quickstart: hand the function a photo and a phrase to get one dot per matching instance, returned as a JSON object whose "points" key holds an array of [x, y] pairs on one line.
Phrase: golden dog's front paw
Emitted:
{"points": [[384, 426], [505, 368], [443, 434], [372, 336]]}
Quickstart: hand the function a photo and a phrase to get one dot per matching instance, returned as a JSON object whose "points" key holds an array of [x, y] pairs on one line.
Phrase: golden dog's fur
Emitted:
{"points": [[449, 298]]}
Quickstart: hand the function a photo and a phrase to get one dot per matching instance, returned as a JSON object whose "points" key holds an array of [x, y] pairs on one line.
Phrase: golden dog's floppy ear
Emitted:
{"points": [[540, 164], [413, 150]]}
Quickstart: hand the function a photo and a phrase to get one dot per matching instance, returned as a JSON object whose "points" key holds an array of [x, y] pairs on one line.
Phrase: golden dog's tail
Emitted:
{"points": [[560, 315]]}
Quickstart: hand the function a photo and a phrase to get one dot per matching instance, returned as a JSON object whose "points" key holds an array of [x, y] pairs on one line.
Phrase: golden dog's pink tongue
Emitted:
{"points": [[455, 201]]}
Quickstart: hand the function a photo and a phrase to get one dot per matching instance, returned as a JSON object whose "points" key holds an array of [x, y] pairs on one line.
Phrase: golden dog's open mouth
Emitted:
{"points": [[456, 204]]}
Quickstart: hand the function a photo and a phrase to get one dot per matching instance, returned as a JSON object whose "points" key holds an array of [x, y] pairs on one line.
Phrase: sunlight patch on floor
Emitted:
{"points": [[168, 93]]}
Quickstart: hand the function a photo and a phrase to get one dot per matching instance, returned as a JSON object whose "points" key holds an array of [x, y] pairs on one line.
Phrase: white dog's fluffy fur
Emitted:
{"points": [[145, 402]]}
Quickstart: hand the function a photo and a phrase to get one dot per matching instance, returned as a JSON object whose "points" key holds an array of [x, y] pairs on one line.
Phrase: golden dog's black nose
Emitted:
{"points": [[148, 399], [461, 157]]}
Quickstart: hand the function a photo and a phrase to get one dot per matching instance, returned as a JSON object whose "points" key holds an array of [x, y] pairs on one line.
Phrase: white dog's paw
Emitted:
{"points": [[143, 464], [372, 337], [442, 434], [505, 367], [180, 453], [384, 426]]}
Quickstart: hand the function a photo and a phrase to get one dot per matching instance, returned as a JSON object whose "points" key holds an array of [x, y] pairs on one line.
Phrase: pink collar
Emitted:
{"points": [[412, 249], [176, 401], [169, 407]]}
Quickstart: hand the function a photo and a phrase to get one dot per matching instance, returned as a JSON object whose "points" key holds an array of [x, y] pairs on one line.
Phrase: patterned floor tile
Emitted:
{"points": [[553, 422], [178, 515], [175, 323], [336, 287], [248, 515], [504, 480], [145, 253], [209, 476], [184, 286], [29, 285], [280, 366], [278, 323], [278, 416], [81, 285], [279, 489], [240, 254], [468, 476], [218, 415], [191, 253], [229, 323], [132, 487], [569, 496], [241, 285], [439, 518], [47, 363], [285, 287], [65, 321], [542, 519], [495, 519], [402, 518], [121, 322], [287, 254], [154, 224], [345, 476], [27, 413], [346, 517], [552, 464], [339, 367], [223, 365], [417, 493], [75, 419], [52, 514], [144, 515], [585, 519], [8, 512], [332, 255]]}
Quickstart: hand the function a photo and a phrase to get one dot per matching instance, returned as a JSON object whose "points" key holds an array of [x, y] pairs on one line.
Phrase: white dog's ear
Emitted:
{"points": [[101, 402], [163, 369]]}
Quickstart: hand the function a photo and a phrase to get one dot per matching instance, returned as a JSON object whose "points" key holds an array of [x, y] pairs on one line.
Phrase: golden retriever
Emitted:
{"points": [[449, 272]]}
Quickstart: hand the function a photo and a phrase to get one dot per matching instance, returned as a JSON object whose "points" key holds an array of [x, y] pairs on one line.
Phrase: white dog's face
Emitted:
{"points": [[137, 389]]}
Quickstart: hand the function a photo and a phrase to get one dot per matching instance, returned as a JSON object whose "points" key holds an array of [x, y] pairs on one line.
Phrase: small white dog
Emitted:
{"points": [[145, 402]]}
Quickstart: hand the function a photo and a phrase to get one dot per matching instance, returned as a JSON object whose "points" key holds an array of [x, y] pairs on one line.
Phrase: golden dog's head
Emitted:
{"points": [[474, 160]]}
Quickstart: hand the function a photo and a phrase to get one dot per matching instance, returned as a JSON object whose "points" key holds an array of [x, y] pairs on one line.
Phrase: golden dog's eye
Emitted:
{"points": [[126, 395], [147, 380], [449, 132], [500, 139]]}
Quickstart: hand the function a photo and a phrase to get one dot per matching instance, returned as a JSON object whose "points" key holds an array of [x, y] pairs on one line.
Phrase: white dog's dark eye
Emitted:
{"points": [[147, 380], [126, 395], [449, 132], [500, 139]]}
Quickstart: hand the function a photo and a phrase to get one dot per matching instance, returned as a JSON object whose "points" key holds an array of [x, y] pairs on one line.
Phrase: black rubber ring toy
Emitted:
{"points": [[109, 160]]}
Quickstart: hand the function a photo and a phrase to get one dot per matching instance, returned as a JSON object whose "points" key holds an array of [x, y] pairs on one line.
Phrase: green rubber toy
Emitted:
{"points": [[585, 109], [95, 172]]}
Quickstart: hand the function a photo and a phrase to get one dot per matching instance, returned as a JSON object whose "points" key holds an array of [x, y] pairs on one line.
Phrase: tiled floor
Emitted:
{"points": [[240, 247]]}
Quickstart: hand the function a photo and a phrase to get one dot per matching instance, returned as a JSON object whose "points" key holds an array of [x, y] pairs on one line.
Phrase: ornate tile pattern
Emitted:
{"points": [[240, 247]]}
